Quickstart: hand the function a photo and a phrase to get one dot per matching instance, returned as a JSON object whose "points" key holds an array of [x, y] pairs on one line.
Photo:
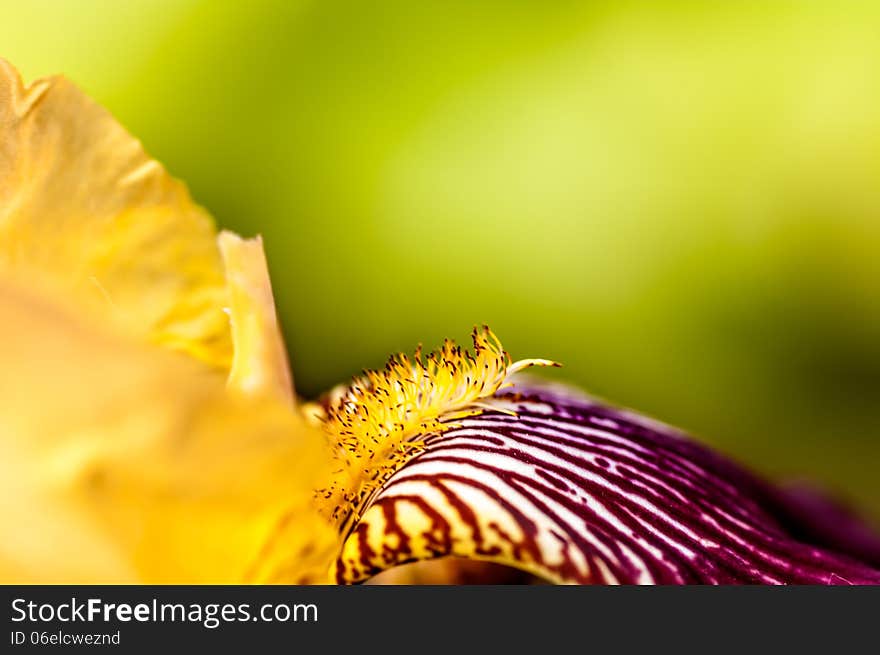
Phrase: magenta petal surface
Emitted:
{"points": [[582, 492]]}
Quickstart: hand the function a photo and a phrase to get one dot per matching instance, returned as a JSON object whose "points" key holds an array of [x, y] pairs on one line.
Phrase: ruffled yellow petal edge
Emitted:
{"points": [[87, 217], [147, 466]]}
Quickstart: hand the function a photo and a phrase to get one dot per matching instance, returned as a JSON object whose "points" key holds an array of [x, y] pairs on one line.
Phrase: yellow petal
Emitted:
{"points": [[120, 462], [88, 216], [259, 365]]}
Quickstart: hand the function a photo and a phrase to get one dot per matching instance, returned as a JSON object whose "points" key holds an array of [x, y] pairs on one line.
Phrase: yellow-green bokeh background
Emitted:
{"points": [[678, 200]]}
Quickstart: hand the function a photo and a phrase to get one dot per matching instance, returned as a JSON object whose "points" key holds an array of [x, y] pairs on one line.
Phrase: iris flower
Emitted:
{"points": [[150, 432]]}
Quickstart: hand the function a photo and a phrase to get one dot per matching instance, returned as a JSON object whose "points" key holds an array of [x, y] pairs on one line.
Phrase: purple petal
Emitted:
{"points": [[576, 491]]}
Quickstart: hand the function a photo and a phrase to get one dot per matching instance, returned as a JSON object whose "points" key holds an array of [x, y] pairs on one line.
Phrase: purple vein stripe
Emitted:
{"points": [[603, 495]]}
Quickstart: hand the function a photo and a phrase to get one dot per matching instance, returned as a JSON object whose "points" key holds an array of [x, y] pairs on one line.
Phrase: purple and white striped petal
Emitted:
{"points": [[575, 491]]}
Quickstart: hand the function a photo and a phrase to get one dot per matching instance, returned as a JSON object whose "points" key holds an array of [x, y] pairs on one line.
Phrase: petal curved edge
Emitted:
{"points": [[89, 218], [575, 491], [259, 363]]}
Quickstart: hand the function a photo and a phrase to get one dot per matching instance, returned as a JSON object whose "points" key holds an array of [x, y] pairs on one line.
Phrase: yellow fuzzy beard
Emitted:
{"points": [[380, 421]]}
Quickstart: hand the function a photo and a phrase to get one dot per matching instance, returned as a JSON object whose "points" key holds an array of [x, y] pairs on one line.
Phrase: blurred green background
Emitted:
{"points": [[678, 200]]}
